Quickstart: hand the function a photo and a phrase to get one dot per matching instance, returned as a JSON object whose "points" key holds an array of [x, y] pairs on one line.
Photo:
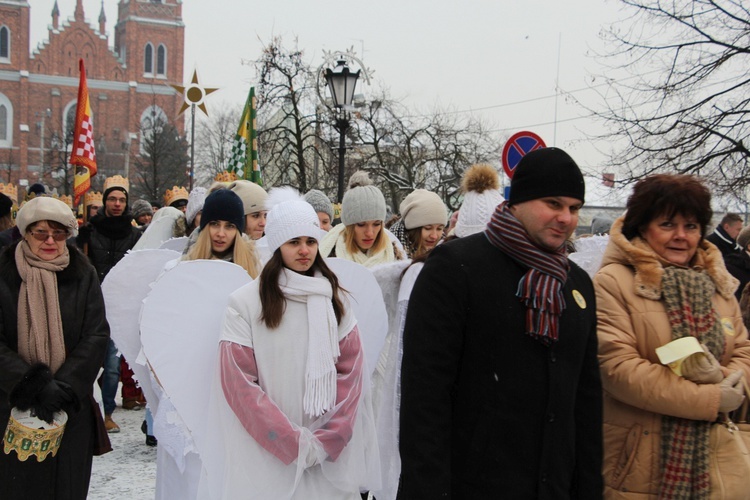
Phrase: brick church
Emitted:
{"points": [[128, 87]]}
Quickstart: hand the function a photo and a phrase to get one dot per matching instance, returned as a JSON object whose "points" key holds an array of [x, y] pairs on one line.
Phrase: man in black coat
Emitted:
{"points": [[725, 234], [107, 237], [501, 393]]}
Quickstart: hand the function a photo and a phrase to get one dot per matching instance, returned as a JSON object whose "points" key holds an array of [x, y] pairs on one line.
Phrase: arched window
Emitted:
{"points": [[153, 120], [4, 44], [148, 59], [161, 60], [6, 121]]}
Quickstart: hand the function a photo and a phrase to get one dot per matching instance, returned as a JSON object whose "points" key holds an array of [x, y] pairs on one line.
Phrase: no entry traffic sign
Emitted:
{"points": [[517, 146]]}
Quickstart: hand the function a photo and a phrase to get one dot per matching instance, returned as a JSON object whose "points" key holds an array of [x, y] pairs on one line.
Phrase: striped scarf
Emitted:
{"points": [[540, 289], [684, 443]]}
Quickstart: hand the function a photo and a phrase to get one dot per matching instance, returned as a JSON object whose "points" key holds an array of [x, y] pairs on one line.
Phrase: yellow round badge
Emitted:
{"points": [[726, 323], [579, 299]]}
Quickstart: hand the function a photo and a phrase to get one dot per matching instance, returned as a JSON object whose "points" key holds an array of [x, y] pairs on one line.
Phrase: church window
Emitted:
{"points": [[161, 60], [4, 44], [148, 59]]}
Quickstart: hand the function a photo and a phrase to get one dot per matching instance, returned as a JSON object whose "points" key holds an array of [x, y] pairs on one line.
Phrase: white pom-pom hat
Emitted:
{"points": [[289, 216]]}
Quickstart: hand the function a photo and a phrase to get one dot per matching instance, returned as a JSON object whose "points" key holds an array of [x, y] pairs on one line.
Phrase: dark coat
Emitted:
{"points": [[86, 332], [724, 242], [486, 410], [106, 240], [738, 265]]}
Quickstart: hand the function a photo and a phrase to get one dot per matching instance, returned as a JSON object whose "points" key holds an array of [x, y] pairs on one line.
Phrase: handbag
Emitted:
{"points": [[729, 454]]}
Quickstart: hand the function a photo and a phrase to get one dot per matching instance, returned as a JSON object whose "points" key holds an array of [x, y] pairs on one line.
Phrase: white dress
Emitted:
{"points": [[257, 406]]}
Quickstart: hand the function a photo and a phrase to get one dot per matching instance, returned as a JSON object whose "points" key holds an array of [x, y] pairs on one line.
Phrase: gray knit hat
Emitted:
{"points": [[743, 239], [141, 207], [252, 195], [319, 202], [195, 204], [422, 208], [45, 208], [362, 201]]}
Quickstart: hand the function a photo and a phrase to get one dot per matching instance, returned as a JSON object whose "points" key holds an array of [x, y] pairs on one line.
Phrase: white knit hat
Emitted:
{"points": [[289, 216], [422, 208], [252, 195], [480, 185], [195, 204], [46, 208]]}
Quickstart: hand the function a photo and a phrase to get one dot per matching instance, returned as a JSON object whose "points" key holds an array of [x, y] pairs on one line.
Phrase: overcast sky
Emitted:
{"points": [[498, 59]]}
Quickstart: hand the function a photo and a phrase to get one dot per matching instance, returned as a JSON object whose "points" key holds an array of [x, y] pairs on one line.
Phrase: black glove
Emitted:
{"points": [[84, 235], [24, 395], [55, 396], [41, 393]]}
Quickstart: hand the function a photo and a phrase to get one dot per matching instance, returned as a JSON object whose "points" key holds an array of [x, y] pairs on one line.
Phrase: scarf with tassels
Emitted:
{"points": [[323, 342], [540, 289], [40, 333], [684, 443]]}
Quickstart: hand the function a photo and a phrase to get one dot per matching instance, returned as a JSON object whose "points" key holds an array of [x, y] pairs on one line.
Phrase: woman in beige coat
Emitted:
{"points": [[661, 280]]}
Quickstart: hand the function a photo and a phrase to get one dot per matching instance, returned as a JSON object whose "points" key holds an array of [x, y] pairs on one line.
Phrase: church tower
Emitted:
{"points": [[150, 40]]}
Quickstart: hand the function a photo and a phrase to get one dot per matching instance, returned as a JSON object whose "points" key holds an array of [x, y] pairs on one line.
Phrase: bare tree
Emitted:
{"points": [[682, 104], [213, 143], [288, 104], [163, 159], [431, 151], [9, 162]]}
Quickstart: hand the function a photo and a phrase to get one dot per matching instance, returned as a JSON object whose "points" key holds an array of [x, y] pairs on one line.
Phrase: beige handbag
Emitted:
{"points": [[729, 455]]}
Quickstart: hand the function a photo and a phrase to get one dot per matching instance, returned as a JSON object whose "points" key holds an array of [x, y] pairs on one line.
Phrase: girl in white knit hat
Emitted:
{"points": [[361, 237], [296, 417]]}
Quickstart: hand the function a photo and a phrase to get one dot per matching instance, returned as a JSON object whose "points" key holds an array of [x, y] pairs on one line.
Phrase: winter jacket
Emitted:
{"points": [[106, 240], [86, 333], [638, 389], [487, 411], [738, 265], [726, 244]]}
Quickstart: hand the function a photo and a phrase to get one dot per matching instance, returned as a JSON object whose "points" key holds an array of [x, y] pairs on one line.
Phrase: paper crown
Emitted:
{"points": [[10, 190], [116, 181], [92, 198], [65, 198], [225, 177], [28, 435], [174, 194]]}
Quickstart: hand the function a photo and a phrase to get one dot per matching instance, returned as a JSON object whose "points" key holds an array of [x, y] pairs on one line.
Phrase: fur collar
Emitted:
{"points": [[649, 267]]}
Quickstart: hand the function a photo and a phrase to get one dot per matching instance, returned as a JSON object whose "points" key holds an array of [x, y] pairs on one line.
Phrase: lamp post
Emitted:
{"points": [[341, 83]]}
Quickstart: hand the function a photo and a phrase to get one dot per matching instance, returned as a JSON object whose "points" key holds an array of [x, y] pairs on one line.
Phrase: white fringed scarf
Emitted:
{"points": [[323, 343]]}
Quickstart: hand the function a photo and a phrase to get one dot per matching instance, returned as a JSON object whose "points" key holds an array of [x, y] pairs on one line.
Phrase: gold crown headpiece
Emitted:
{"points": [[92, 198], [116, 181], [65, 198], [10, 190], [174, 194], [29, 435], [225, 177]]}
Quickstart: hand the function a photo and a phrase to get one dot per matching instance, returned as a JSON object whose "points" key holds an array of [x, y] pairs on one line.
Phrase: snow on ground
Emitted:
{"points": [[129, 470]]}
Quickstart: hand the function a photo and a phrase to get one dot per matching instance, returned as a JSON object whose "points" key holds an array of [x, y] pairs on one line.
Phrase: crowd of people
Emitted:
{"points": [[503, 368]]}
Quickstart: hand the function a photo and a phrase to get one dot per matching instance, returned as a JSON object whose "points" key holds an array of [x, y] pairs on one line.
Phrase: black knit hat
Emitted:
{"points": [[223, 204], [5, 205], [546, 172]]}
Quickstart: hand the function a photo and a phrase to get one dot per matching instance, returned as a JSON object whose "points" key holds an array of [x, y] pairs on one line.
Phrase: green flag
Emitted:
{"points": [[243, 159]]}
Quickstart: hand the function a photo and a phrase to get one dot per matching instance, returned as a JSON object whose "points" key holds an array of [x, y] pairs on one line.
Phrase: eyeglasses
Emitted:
{"points": [[57, 235]]}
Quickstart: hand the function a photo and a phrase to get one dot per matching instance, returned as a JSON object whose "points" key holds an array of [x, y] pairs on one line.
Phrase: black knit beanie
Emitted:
{"points": [[116, 188], [225, 205], [546, 172], [5, 205]]}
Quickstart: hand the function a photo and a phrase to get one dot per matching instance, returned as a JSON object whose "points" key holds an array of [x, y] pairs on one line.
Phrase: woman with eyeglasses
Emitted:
{"points": [[53, 336]]}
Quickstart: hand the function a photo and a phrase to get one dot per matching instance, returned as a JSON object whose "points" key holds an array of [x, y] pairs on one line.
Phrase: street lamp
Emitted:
{"points": [[341, 83]]}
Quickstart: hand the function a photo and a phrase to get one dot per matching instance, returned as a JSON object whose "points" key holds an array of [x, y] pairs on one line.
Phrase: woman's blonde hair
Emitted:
{"points": [[243, 252], [379, 245]]}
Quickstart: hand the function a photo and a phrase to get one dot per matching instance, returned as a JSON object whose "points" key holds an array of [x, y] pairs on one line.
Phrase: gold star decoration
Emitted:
{"points": [[193, 94]]}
